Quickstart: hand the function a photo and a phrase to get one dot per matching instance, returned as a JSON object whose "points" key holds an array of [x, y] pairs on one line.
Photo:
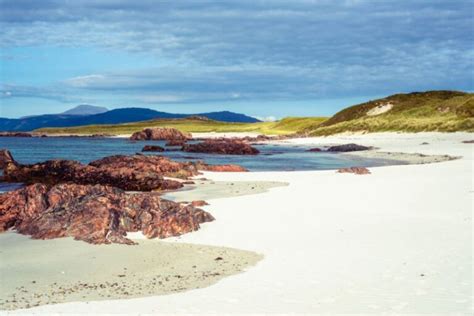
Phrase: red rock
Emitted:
{"points": [[132, 173], [129, 178], [199, 203], [223, 147], [153, 148], [94, 213], [160, 134], [356, 170]]}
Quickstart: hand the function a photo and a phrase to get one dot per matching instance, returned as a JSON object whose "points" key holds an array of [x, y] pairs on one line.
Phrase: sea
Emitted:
{"points": [[272, 157]]}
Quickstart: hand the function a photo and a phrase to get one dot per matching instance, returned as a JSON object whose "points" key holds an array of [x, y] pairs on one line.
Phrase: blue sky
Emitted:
{"points": [[264, 58]]}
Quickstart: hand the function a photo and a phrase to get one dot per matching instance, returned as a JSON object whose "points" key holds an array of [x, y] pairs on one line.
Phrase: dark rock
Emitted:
{"points": [[155, 148], [94, 213], [348, 147], [355, 170], [468, 141], [223, 147], [315, 149], [15, 134], [424, 143], [160, 134]]}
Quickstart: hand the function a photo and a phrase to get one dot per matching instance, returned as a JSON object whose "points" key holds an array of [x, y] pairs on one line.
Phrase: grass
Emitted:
{"points": [[285, 126], [444, 111]]}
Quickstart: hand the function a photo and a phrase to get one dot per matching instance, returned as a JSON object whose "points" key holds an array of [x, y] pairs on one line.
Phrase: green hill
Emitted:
{"points": [[196, 125], [444, 111]]}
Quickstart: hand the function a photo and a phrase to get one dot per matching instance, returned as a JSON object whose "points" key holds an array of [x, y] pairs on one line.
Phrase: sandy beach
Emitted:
{"points": [[397, 241]]}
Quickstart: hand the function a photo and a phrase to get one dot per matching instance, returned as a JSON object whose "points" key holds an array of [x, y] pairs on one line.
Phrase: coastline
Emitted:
{"points": [[396, 241]]}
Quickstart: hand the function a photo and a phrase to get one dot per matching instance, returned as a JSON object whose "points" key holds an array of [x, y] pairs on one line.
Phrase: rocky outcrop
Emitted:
{"points": [[355, 170], [129, 178], [348, 148], [94, 213], [132, 173], [160, 134], [6, 158], [222, 146], [315, 149], [154, 148]]}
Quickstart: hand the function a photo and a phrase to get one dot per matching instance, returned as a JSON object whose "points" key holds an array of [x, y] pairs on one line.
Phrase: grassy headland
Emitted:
{"points": [[444, 111], [196, 125]]}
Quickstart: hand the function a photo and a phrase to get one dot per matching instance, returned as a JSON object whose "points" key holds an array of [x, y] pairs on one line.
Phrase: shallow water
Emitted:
{"points": [[273, 157]]}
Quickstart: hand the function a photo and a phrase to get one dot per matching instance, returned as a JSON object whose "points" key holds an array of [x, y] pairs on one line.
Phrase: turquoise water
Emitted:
{"points": [[272, 157]]}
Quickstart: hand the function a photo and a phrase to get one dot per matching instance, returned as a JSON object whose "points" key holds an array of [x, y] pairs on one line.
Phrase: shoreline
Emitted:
{"points": [[85, 272], [395, 241]]}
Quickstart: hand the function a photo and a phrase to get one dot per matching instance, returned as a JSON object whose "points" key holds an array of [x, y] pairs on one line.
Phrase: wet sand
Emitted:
{"points": [[39, 272], [211, 190]]}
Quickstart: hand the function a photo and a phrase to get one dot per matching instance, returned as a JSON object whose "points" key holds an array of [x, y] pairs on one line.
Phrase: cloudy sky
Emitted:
{"points": [[263, 58]]}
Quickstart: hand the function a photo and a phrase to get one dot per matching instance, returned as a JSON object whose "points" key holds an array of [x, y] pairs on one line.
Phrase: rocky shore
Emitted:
{"points": [[94, 213], [65, 198]]}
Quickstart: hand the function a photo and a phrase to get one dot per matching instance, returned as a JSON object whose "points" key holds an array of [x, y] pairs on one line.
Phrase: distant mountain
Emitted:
{"points": [[117, 116], [85, 109]]}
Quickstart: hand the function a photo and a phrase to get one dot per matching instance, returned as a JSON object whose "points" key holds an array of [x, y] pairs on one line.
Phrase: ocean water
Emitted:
{"points": [[273, 157]]}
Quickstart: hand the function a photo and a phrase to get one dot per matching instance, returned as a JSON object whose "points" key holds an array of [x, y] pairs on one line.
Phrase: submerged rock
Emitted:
{"points": [[159, 133], [176, 142], [315, 149], [355, 170], [348, 147], [94, 213], [155, 148], [222, 146]]}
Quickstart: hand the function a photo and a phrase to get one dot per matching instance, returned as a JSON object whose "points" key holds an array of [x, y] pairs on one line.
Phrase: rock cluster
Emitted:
{"points": [[222, 146], [160, 134], [129, 178], [132, 173], [355, 170], [94, 213]]}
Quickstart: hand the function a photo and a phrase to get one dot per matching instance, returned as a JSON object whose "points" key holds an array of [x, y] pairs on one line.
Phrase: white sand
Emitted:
{"points": [[398, 241]]}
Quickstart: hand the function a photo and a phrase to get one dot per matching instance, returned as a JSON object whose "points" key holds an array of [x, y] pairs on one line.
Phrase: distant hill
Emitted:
{"points": [[85, 109], [116, 116], [444, 111], [193, 124]]}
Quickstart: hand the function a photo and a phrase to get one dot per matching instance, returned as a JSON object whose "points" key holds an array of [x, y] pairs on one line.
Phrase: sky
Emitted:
{"points": [[268, 59]]}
